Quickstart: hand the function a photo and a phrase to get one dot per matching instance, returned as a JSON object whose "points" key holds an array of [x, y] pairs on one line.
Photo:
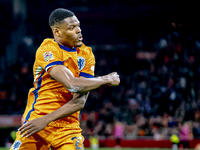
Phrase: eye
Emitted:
{"points": [[72, 27]]}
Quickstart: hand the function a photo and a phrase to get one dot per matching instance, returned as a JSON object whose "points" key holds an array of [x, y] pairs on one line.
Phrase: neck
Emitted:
{"points": [[60, 43]]}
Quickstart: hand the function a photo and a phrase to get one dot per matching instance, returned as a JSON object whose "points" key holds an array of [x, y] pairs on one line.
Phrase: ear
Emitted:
{"points": [[57, 32]]}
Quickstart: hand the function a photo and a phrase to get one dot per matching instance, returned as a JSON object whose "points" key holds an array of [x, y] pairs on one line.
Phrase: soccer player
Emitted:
{"points": [[63, 76]]}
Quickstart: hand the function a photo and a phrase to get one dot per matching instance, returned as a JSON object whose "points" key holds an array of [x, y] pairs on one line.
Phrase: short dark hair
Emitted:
{"points": [[59, 15]]}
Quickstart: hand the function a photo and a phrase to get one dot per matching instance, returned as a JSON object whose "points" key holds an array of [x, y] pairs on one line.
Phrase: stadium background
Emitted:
{"points": [[153, 45]]}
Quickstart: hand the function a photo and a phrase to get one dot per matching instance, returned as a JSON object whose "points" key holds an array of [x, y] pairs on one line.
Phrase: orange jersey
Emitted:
{"points": [[48, 95]]}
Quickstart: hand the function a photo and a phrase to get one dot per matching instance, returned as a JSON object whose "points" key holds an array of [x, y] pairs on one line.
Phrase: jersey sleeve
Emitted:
{"points": [[88, 70], [48, 56]]}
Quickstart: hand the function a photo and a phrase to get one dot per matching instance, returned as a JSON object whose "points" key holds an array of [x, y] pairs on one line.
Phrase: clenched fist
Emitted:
{"points": [[114, 79]]}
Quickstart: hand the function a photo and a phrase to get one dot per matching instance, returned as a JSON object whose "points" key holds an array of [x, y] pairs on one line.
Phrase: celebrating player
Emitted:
{"points": [[63, 76]]}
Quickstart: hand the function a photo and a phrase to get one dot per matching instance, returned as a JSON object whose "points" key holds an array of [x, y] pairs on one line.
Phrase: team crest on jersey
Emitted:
{"points": [[48, 56], [16, 145], [81, 63]]}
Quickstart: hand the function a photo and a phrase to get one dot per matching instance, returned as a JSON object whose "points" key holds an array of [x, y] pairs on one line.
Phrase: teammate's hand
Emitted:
{"points": [[114, 79], [33, 126]]}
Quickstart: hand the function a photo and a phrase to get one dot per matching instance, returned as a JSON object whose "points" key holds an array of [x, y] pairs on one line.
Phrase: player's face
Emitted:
{"points": [[71, 32]]}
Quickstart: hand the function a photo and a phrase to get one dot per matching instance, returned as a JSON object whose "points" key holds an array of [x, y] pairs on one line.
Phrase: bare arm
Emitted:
{"points": [[79, 85], [74, 105], [36, 125], [75, 85]]}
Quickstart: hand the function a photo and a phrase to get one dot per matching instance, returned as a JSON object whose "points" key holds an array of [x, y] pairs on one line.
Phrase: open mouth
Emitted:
{"points": [[80, 38]]}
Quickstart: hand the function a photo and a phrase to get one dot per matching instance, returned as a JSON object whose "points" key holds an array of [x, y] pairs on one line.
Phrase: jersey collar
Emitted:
{"points": [[66, 48]]}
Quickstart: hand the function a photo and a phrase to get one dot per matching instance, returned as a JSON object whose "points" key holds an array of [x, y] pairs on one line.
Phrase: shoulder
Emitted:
{"points": [[48, 45], [84, 49]]}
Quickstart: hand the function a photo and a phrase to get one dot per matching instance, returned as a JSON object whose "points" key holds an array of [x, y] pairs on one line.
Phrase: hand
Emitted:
{"points": [[76, 95], [33, 126], [114, 79]]}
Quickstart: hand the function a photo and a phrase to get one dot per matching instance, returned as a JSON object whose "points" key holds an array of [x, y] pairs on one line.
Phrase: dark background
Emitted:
{"points": [[117, 30]]}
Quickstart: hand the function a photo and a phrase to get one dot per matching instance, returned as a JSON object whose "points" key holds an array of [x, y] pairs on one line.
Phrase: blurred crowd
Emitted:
{"points": [[159, 90], [155, 97], [158, 94]]}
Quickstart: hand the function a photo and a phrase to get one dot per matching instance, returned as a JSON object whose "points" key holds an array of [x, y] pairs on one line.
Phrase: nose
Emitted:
{"points": [[78, 30]]}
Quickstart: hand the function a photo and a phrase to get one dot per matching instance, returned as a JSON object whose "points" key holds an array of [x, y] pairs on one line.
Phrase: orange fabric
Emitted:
{"points": [[29, 104], [86, 52], [54, 137], [48, 95]]}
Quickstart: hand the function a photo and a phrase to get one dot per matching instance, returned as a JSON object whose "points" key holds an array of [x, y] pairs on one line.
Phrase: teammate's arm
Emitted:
{"points": [[36, 125], [78, 85]]}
